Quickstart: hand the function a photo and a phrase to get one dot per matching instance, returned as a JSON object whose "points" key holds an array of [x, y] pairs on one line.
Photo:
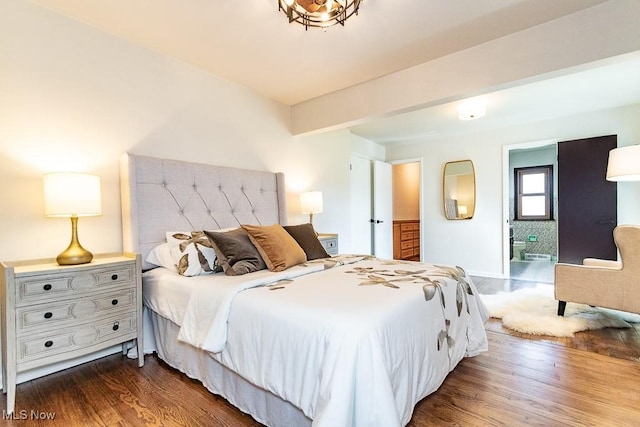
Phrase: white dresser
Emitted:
{"points": [[329, 242], [53, 313]]}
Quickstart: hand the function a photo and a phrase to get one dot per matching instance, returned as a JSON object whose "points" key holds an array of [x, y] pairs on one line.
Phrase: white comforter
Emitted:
{"points": [[351, 341]]}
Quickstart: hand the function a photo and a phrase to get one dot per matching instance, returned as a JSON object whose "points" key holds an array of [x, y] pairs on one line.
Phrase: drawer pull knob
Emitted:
{"points": [[47, 287], [114, 302], [48, 315], [116, 326], [114, 277], [48, 344]]}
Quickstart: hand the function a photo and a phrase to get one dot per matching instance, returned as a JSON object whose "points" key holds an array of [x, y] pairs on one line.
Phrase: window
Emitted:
{"points": [[534, 193]]}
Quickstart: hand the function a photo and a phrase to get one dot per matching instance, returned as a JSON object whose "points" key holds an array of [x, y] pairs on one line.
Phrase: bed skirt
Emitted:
{"points": [[161, 337]]}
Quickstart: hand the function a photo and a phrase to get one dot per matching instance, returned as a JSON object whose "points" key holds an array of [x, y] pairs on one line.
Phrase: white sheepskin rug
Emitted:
{"points": [[534, 311]]}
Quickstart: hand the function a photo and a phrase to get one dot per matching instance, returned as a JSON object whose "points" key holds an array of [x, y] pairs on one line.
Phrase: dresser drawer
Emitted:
{"points": [[406, 235], [406, 245], [35, 288], [409, 226], [68, 340], [60, 313], [406, 253]]}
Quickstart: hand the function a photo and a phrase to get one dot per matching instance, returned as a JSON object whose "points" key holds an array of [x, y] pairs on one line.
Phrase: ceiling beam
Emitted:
{"points": [[569, 44]]}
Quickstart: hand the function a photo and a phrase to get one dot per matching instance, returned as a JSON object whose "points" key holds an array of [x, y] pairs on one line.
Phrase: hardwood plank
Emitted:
{"points": [[496, 388], [518, 382]]}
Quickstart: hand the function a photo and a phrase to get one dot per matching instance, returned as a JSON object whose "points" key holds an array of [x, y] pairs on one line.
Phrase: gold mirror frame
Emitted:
{"points": [[459, 190]]}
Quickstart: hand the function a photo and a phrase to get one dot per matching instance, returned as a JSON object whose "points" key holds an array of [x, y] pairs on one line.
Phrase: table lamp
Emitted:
{"points": [[310, 203], [72, 195]]}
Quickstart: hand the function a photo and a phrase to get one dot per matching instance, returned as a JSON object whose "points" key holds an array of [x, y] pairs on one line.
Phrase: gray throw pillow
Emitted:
{"points": [[235, 252]]}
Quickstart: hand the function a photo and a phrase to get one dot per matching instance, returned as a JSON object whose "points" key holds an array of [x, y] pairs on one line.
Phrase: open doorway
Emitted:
{"points": [[400, 191], [583, 210], [406, 184], [531, 183]]}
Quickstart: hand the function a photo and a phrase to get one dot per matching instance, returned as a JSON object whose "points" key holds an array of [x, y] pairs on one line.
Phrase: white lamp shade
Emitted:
{"points": [[624, 164], [72, 194], [311, 202]]}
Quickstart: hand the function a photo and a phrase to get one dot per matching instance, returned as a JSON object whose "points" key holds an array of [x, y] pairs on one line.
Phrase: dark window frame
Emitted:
{"points": [[548, 193]]}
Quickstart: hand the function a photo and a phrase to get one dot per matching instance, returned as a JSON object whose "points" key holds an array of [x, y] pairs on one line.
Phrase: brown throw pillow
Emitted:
{"points": [[235, 252], [306, 237], [278, 249]]}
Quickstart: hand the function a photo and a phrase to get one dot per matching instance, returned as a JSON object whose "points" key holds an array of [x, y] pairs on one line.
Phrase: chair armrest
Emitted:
{"points": [[596, 285], [594, 262]]}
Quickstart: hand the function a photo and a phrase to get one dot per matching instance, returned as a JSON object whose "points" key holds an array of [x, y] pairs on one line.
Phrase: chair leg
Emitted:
{"points": [[561, 306]]}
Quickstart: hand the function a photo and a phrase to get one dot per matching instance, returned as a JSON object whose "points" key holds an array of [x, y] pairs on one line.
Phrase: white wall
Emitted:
{"points": [[406, 191], [477, 244], [367, 149], [74, 99], [321, 162]]}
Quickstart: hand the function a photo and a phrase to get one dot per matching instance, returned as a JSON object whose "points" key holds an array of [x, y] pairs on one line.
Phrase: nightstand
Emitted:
{"points": [[329, 242], [54, 313]]}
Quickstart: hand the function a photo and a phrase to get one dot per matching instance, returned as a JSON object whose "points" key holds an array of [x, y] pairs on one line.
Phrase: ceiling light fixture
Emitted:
{"points": [[319, 13], [471, 110]]}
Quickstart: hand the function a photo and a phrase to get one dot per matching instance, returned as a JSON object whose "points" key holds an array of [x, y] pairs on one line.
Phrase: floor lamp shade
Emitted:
{"points": [[624, 164], [72, 195]]}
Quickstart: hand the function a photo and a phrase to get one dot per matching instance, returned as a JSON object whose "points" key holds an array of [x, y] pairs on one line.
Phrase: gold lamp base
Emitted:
{"points": [[75, 253]]}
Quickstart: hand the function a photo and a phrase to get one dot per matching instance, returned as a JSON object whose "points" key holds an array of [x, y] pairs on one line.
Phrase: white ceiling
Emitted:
{"points": [[251, 43], [610, 85]]}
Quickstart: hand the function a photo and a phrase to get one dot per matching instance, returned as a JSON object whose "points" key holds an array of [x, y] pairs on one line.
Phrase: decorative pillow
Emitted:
{"points": [[278, 249], [235, 252], [161, 256], [191, 252], [307, 238]]}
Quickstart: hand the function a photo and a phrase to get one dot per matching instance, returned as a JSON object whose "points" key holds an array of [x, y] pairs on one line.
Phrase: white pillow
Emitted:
{"points": [[191, 252], [161, 256]]}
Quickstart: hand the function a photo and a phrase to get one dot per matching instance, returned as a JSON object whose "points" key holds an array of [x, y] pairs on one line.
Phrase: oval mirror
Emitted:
{"points": [[459, 181]]}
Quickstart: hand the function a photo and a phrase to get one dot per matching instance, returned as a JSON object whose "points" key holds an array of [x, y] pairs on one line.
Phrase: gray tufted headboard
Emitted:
{"points": [[160, 195]]}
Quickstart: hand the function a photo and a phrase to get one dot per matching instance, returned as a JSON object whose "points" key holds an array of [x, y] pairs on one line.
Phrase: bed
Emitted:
{"points": [[348, 340]]}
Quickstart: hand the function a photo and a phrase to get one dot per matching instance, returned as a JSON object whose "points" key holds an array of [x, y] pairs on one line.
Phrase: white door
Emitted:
{"points": [[360, 206], [382, 219]]}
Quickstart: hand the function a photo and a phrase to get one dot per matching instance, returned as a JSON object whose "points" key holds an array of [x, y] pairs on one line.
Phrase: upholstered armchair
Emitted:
{"points": [[602, 283]]}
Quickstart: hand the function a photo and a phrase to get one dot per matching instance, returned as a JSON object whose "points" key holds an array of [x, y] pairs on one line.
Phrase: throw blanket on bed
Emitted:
{"points": [[349, 340], [205, 321]]}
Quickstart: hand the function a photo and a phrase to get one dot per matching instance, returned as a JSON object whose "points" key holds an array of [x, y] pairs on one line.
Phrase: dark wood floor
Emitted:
{"points": [[520, 381], [619, 343]]}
